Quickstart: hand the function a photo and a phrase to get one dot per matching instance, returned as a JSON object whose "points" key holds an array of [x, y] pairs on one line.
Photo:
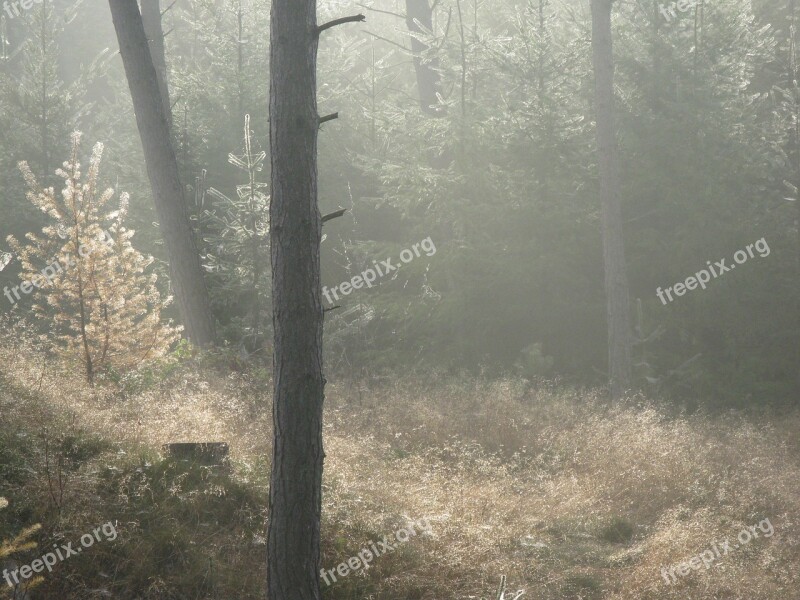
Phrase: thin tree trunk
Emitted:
{"points": [[162, 169], [151, 19], [655, 98], [543, 170], [44, 131], [794, 155], [616, 281], [419, 20], [240, 42], [255, 240], [463, 63], [295, 500]]}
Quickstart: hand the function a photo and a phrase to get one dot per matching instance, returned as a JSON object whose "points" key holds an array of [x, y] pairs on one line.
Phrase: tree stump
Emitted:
{"points": [[207, 454]]}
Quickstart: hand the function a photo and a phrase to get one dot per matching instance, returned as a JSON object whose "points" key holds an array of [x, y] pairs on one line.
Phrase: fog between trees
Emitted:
{"points": [[475, 238]]}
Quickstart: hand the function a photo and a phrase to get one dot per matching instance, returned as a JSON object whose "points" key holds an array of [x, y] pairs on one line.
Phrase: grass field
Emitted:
{"points": [[568, 498]]}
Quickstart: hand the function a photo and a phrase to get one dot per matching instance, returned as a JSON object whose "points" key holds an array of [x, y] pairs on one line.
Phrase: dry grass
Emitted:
{"points": [[526, 484]]}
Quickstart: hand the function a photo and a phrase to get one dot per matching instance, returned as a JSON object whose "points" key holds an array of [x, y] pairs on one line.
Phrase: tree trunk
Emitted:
{"points": [[616, 281], [794, 157], [657, 88], [162, 169], [151, 19], [295, 499], [419, 19]]}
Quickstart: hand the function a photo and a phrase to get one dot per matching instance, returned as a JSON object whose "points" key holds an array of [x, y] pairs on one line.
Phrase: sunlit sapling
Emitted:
{"points": [[49, 272], [104, 310], [21, 543], [51, 559]]}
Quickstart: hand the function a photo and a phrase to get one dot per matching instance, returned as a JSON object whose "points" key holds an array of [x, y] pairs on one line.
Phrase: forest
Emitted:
{"points": [[399, 299]]}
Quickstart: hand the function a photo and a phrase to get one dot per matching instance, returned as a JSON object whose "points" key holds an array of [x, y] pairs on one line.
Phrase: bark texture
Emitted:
{"points": [[162, 169], [295, 500], [153, 29], [616, 280]]}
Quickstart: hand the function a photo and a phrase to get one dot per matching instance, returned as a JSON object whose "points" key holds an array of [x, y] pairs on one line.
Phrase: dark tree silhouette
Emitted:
{"points": [[151, 19], [162, 170], [295, 500], [616, 279]]}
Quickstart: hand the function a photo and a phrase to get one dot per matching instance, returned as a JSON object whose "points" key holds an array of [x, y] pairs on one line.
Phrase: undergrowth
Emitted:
{"points": [[566, 497]]}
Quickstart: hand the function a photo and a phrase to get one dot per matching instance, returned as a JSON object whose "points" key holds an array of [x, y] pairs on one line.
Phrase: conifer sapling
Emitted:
{"points": [[104, 310]]}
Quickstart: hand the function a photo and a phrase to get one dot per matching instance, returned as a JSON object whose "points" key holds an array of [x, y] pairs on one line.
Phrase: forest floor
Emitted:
{"points": [[566, 497]]}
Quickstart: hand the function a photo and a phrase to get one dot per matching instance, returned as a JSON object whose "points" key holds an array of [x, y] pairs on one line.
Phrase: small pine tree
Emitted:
{"points": [[104, 310], [20, 543], [235, 235]]}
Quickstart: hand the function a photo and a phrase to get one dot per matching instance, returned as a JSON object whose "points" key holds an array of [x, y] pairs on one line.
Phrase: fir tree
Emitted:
{"points": [[235, 232], [39, 106]]}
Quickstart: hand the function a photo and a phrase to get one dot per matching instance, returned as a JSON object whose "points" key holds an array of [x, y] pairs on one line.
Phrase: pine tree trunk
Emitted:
{"points": [[151, 19], [616, 281], [295, 502], [162, 169]]}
